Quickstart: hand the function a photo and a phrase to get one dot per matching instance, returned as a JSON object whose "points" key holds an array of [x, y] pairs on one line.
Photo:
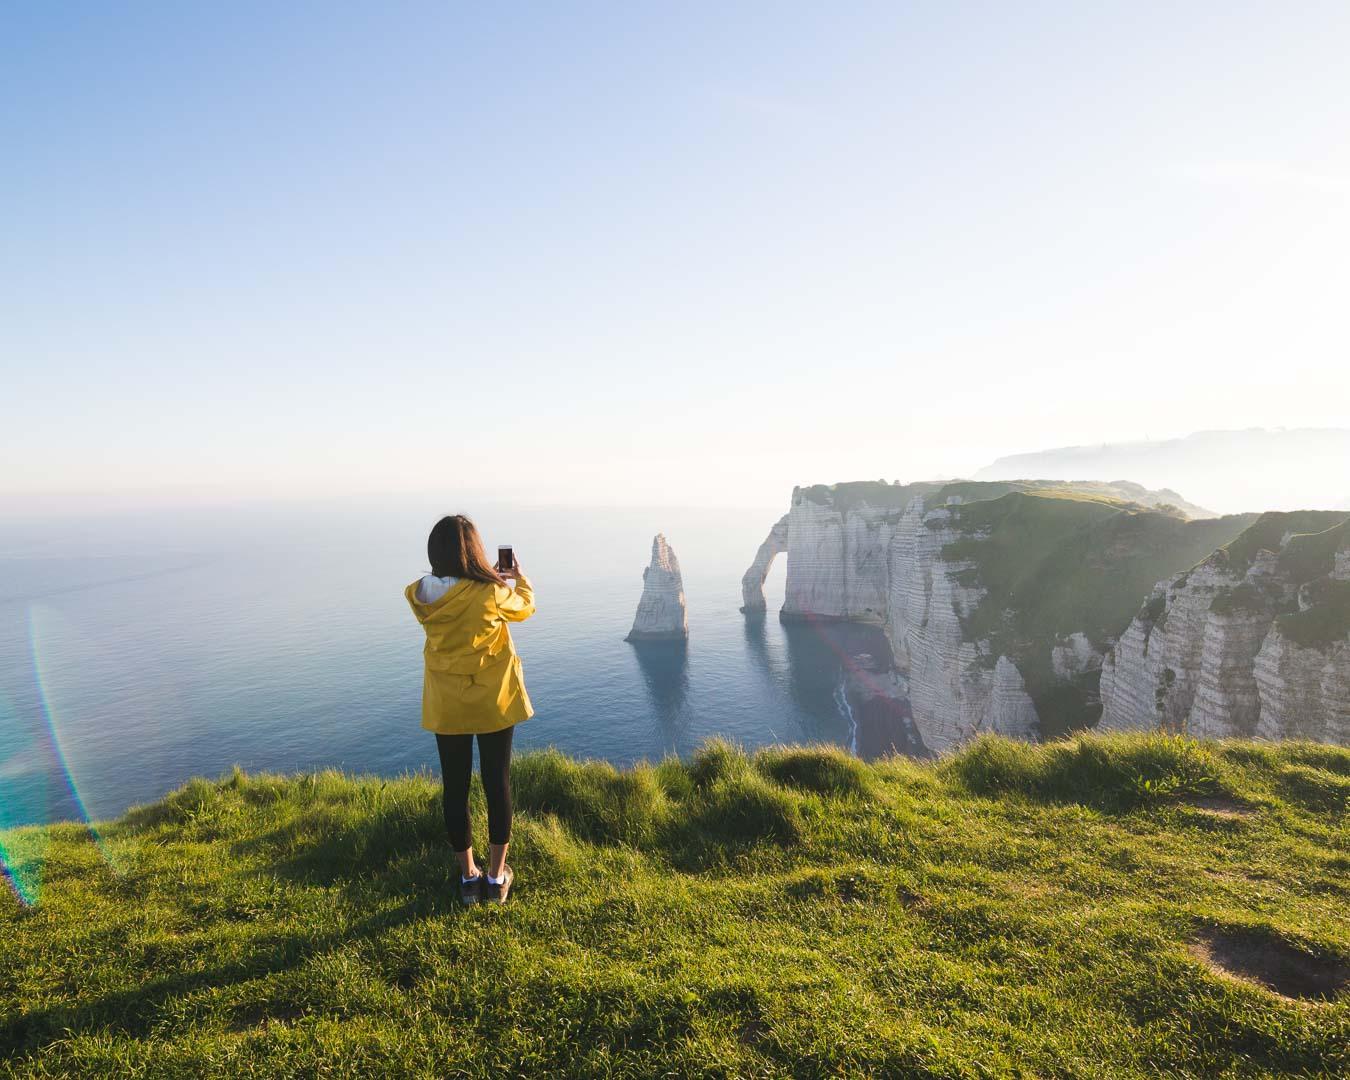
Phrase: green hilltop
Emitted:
{"points": [[1124, 906], [880, 494], [1308, 558], [1319, 614], [1055, 563]]}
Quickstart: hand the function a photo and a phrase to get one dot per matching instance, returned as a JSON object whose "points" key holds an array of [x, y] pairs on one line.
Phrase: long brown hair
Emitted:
{"points": [[456, 550]]}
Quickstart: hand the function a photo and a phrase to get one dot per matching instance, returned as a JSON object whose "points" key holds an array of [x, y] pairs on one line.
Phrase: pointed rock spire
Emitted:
{"points": [[661, 611]]}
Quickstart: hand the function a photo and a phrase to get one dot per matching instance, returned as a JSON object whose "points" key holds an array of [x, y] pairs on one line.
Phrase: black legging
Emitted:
{"points": [[494, 762]]}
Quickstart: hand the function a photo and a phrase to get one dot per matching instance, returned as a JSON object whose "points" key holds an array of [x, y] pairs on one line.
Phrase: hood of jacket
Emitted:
{"points": [[454, 603], [465, 631]]}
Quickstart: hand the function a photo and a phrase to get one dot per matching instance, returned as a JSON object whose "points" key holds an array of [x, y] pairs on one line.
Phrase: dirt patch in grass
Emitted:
{"points": [[912, 900], [752, 1031], [1272, 963], [1221, 806]]}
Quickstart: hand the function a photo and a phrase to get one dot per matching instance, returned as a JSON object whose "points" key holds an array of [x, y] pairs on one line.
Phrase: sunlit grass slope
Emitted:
{"points": [[1049, 911]]}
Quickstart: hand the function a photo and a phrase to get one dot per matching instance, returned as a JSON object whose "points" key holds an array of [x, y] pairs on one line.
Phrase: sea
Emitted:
{"points": [[139, 649]]}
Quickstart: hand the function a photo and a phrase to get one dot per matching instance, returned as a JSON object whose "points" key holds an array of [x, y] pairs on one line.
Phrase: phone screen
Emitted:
{"points": [[506, 558]]}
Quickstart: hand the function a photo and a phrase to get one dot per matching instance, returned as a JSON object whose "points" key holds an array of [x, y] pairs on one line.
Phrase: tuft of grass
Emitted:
{"points": [[1110, 772], [1068, 909], [717, 759], [827, 770], [593, 800], [740, 811], [1314, 788]]}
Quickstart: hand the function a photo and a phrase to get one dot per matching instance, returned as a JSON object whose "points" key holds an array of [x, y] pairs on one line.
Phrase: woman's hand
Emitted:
{"points": [[513, 571]]}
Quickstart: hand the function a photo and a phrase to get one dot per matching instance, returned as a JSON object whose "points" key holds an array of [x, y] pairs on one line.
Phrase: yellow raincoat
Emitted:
{"points": [[473, 682]]}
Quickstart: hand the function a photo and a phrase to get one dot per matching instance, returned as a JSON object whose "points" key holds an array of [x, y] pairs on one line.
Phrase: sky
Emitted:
{"points": [[641, 254]]}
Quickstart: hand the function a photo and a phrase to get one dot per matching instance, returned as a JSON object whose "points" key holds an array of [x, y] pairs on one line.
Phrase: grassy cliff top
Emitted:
{"points": [[1070, 562], [1312, 555], [1123, 906], [885, 496], [1056, 563], [882, 495], [1307, 550], [1268, 532], [850, 494], [1123, 494]]}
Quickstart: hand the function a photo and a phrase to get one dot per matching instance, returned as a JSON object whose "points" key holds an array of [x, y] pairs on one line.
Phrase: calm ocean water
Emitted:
{"points": [[137, 651]]}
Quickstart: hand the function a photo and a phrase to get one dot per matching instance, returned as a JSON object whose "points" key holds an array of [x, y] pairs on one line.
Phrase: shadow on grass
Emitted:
{"points": [[138, 1012], [1316, 789], [720, 807]]}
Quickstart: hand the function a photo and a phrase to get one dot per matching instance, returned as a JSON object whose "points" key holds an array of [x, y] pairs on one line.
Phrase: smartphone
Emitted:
{"points": [[506, 558]]}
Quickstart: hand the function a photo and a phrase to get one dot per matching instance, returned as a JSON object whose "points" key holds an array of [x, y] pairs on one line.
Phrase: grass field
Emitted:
{"points": [[1125, 906]]}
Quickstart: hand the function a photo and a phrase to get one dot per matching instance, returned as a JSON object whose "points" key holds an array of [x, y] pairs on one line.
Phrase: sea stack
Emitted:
{"points": [[661, 613]]}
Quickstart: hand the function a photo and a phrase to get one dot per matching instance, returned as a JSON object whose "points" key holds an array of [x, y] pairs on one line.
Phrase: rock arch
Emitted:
{"points": [[752, 584]]}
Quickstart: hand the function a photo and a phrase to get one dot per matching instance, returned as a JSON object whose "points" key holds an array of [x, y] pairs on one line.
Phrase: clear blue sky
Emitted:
{"points": [[656, 253]]}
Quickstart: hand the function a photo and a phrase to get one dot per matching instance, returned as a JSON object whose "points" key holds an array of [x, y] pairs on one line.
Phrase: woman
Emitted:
{"points": [[473, 686]]}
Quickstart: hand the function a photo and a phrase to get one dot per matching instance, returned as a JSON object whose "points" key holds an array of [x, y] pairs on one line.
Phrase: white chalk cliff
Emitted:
{"points": [[907, 558], [959, 687], [873, 553], [1253, 642], [661, 614]]}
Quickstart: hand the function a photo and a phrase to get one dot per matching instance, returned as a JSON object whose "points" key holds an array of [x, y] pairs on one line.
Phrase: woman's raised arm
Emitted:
{"points": [[517, 604]]}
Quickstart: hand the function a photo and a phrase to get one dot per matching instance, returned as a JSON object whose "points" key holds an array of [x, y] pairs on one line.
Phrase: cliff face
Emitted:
{"points": [[958, 685], [838, 557], [999, 599], [1304, 692], [661, 614], [1255, 641], [1001, 608]]}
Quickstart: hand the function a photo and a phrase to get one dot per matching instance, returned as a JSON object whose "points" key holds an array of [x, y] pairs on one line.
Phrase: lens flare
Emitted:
{"points": [[848, 666], [52, 733], [847, 661], [21, 854], [23, 799]]}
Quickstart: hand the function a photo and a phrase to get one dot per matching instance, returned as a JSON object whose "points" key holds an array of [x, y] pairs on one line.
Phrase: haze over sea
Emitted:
{"points": [[140, 649]]}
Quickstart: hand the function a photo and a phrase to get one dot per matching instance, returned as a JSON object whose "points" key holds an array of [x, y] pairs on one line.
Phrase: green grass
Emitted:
{"points": [[1013, 910], [1326, 622], [877, 493], [1119, 493], [882, 495], [1313, 555], [1307, 560], [1244, 598], [1270, 529]]}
